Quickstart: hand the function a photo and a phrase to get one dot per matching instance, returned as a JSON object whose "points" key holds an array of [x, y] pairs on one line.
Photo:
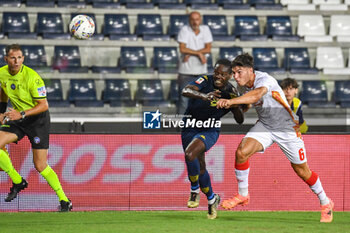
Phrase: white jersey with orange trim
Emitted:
{"points": [[273, 109]]}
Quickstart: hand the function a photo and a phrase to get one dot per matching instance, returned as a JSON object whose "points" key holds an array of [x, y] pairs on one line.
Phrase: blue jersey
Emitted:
{"points": [[203, 110]]}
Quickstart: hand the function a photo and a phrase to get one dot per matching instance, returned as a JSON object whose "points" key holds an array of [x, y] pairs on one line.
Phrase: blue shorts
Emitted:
{"points": [[209, 137]]}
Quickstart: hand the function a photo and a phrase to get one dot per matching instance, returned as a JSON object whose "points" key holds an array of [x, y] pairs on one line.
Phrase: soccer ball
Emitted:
{"points": [[82, 27]]}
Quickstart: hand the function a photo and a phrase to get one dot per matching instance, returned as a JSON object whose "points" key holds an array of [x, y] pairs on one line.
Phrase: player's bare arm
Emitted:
{"points": [[238, 114], [42, 106], [192, 91], [248, 98]]}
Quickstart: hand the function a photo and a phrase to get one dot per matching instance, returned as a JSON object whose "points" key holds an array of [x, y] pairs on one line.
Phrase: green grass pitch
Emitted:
{"points": [[170, 221]]}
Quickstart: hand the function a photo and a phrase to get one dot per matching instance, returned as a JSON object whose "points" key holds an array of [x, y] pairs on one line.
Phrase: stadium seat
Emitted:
{"points": [[312, 28], [82, 93], [67, 60], [342, 93], [331, 60], [297, 61], [35, 57], [71, 4], [176, 22], [218, 27], [150, 92], [165, 59], [50, 26], [117, 27], [265, 59], [2, 55], [280, 28], [40, 3], [133, 60], [265, 4], [233, 5], [230, 53], [10, 3], [174, 91], [247, 28], [150, 27], [96, 36], [209, 63], [340, 28], [117, 93], [16, 25], [169, 4], [55, 93], [314, 94]]}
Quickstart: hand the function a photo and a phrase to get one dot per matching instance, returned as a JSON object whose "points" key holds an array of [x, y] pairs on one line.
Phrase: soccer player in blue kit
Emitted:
{"points": [[198, 136]]}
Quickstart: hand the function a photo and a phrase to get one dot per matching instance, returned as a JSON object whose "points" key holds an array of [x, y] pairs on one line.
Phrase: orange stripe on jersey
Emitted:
{"points": [[276, 95]]}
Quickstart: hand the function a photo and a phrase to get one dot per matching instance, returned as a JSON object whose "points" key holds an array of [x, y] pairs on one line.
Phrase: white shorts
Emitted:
{"points": [[291, 145]]}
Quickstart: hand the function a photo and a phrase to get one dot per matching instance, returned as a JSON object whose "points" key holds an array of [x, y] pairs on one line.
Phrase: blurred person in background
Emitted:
{"points": [[195, 42], [290, 89]]}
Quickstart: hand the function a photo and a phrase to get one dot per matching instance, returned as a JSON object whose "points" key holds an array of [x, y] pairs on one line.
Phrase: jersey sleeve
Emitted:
{"points": [[200, 82], [38, 89], [208, 36], [264, 82]]}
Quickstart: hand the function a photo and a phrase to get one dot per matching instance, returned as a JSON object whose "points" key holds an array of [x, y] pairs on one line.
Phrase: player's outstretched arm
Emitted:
{"points": [[192, 91], [249, 98]]}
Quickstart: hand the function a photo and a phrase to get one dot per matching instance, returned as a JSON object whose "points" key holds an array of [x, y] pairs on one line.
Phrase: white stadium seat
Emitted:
{"points": [[331, 60], [340, 27], [313, 29]]}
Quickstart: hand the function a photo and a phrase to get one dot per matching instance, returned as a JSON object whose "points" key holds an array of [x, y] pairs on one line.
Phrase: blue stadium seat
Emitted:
{"points": [[314, 94], [117, 27], [82, 93], [71, 4], [67, 60], [247, 28], [342, 93], [40, 3], [205, 6], [2, 55], [117, 93], [133, 59], [16, 25], [297, 61], [55, 93], [280, 28], [233, 4], [174, 91], [150, 27], [265, 59], [265, 4], [10, 3], [169, 4], [176, 22], [230, 53], [165, 59], [150, 93], [136, 4], [96, 36], [103, 4], [218, 27], [50, 26], [35, 57], [209, 63]]}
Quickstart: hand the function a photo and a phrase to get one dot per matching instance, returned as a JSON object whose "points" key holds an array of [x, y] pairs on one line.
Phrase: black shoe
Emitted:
{"points": [[16, 188], [65, 206]]}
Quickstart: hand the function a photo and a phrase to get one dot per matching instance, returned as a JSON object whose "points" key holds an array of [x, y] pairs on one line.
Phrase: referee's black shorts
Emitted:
{"points": [[35, 127]]}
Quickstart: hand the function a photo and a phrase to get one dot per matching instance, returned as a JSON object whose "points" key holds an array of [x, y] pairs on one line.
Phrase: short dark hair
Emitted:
{"points": [[244, 60], [225, 62], [287, 82], [15, 47]]}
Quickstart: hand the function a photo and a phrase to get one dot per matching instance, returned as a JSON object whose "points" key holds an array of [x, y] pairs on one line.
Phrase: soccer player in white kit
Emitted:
{"points": [[277, 123]]}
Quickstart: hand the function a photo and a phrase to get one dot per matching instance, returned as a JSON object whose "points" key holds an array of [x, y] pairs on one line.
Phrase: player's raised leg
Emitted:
{"points": [[192, 152], [246, 148], [40, 163], [311, 178]]}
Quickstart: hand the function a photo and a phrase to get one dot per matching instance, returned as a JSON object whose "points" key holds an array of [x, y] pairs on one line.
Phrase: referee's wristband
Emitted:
{"points": [[3, 106], [23, 114]]}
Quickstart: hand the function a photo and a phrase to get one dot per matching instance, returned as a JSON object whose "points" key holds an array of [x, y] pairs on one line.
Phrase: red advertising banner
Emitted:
{"points": [[147, 172]]}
